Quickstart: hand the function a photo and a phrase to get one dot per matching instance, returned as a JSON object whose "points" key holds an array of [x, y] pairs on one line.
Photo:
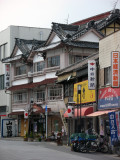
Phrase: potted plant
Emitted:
{"points": [[31, 137], [26, 137]]}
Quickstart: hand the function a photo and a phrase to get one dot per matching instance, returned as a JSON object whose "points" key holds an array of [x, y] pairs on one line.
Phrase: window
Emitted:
{"points": [[20, 97], [40, 66], [68, 90], [21, 70], [55, 92], [74, 58], [107, 75], [53, 61], [40, 96], [1, 82]]}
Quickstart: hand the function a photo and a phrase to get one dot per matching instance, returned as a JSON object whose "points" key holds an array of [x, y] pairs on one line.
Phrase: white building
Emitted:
{"points": [[7, 42]]}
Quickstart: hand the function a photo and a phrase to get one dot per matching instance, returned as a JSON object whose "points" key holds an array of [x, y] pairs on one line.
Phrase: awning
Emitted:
{"points": [[99, 113], [37, 109], [32, 85], [84, 111]]}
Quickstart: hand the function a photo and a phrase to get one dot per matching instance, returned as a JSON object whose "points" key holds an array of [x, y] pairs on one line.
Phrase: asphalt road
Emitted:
{"points": [[20, 150]]}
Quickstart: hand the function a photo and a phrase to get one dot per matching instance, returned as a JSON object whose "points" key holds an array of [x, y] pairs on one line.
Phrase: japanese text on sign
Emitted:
{"points": [[115, 69], [91, 74], [7, 75]]}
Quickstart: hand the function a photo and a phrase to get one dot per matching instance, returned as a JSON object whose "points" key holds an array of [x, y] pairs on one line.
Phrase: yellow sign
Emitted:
{"points": [[86, 94]]}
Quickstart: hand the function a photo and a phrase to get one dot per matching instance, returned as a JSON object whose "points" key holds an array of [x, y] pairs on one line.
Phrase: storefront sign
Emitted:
{"points": [[9, 128], [115, 69], [86, 94], [26, 114], [118, 122], [7, 75], [109, 98], [113, 127], [91, 74], [70, 111]]}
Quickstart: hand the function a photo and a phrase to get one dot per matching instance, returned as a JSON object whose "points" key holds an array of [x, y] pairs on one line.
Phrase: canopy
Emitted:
{"points": [[99, 113], [84, 111]]}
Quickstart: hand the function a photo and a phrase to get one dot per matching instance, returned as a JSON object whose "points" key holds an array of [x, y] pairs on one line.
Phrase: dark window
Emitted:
{"points": [[1, 82], [40, 66], [107, 75], [68, 90], [53, 61], [21, 70]]}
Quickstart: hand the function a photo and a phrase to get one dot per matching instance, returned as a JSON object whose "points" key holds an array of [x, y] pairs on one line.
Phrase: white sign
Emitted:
{"points": [[70, 111], [26, 114], [91, 74], [7, 75]]}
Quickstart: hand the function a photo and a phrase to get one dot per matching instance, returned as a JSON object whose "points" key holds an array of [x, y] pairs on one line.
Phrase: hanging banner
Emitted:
{"points": [[7, 75], [113, 127], [115, 69], [118, 123], [91, 74]]}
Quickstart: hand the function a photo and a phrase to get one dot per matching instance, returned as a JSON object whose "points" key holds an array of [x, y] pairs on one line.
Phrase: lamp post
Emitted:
{"points": [[79, 92]]}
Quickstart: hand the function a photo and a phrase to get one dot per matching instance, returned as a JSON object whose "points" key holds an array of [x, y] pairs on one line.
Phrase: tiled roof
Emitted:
{"points": [[83, 44], [32, 85], [77, 65]]}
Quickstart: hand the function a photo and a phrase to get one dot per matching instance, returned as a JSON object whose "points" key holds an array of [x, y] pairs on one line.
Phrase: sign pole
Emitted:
{"points": [[46, 120]]}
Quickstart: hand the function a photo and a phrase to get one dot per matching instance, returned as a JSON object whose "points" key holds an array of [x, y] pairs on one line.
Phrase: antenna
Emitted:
{"points": [[66, 20], [115, 4]]}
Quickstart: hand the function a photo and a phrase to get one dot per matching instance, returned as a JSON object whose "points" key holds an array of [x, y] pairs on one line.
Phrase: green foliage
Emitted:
{"points": [[31, 135], [26, 135]]}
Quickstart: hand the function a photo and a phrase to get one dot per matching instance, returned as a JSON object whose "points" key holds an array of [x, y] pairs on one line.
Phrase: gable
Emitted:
{"points": [[89, 37], [111, 28], [18, 52], [55, 39]]}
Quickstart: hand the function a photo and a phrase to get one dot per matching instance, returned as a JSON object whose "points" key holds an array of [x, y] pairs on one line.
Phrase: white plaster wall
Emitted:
{"points": [[106, 46], [55, 39], [37, 58], [90, 37], [18, 52], [19, 82], [43, 77]]}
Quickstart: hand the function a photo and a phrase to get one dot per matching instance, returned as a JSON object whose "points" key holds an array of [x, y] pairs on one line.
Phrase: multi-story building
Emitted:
{"points": [[7, 42]]}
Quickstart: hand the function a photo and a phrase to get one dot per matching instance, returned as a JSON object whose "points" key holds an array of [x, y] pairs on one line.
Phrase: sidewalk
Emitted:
{"points": [[12, 138]]}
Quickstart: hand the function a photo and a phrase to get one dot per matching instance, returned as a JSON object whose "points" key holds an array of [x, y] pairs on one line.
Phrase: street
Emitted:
{"points": [[20, 150]]}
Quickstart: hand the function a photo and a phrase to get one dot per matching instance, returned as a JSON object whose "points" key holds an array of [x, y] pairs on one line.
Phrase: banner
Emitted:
{"points": [[91, 74], [109, 98], [118, 123], [115, 69], [113, 127], [7, 75], [86, 94]]}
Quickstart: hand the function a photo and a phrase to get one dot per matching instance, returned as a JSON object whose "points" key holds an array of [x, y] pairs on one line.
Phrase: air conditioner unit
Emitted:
{"points": [[29, 74]]}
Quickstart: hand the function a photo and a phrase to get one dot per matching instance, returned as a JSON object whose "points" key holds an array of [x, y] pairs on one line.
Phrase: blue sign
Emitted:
{"points": [[46, 108], [113, 127]]}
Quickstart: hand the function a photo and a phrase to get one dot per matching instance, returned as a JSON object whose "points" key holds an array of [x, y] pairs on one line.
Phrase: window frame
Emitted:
{"points": [[53, 61]]}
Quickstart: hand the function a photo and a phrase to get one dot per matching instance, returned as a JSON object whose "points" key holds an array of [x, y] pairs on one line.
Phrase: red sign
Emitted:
{"points": [[115, 69]]}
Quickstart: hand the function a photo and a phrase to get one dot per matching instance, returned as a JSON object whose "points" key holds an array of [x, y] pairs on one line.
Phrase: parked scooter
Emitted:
{"points": [[102, 142]]}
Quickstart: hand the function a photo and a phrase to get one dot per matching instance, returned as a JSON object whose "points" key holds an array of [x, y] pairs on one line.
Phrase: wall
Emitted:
{"points": [[106, 46]]}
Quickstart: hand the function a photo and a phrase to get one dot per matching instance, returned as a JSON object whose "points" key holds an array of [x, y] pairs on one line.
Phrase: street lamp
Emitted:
{"points": [[79, 92]]}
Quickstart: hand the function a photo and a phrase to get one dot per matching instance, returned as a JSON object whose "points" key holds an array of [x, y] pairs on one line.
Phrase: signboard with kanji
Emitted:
{"points": [[7, 75], [115, 69], [91, 74], [86, 94], [113, 127]]}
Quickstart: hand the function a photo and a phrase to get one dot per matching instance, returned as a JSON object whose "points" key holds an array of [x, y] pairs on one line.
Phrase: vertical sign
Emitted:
{"points": [[91, 74], [26, 114], [113, 127], [115, 69], [7, 75], [118, 122]]}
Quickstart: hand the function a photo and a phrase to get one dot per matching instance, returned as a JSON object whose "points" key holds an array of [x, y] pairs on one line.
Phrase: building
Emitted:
{"points": [[7, 42]]}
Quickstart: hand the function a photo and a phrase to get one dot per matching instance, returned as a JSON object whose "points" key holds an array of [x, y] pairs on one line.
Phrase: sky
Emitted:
{"points": [[41, 13]]}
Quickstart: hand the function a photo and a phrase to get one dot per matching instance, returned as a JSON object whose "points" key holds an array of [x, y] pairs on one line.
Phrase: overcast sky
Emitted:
{"points": [[41, 13]]}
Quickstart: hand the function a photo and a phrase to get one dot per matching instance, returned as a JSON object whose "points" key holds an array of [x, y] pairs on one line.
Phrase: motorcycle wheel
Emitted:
{"points": [[104, 149]]}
